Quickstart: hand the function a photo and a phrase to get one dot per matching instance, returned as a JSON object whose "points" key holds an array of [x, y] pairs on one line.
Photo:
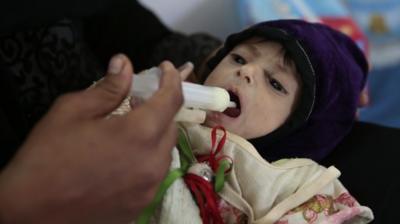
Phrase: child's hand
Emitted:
{"points": [[184, 114]]}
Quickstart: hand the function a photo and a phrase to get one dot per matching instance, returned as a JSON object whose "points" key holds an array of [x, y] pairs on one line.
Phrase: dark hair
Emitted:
{"points": [[204, 70]]}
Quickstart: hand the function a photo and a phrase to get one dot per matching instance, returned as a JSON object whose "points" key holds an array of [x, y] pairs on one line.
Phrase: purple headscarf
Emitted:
{"points": [[333, 72]]}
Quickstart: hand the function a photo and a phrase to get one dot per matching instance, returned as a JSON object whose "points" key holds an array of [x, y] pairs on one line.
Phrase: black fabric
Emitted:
{"points": [[125, 27], [369, 162], [37, 66], [12, 121], [21, 15], [180, 48], [109, 26]]}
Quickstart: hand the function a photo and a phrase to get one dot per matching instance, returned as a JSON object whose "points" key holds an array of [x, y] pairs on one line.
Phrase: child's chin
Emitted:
{"points": [[216, 118], [211, 123]]}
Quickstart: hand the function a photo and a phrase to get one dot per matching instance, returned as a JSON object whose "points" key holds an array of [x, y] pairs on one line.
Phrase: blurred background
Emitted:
{"points": [[373, 24]]}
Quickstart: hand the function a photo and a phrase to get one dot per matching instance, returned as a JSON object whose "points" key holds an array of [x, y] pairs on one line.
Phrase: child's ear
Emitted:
{"points": [[369, 65]]}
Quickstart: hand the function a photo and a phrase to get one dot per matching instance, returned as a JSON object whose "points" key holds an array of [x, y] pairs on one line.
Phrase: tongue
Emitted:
{"points": [[232, 112]]}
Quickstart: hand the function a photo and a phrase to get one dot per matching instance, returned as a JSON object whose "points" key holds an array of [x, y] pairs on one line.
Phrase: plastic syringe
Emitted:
{"points": [[207, 98]]}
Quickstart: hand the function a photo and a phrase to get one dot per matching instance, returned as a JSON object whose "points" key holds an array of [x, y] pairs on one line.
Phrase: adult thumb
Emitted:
{"points": [[109, 92]]}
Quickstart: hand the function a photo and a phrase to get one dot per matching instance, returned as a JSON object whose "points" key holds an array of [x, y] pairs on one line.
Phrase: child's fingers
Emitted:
{"points": [[191, 116], [185, 70]]}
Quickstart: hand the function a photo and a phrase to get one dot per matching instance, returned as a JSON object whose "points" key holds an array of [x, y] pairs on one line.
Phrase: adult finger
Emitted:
{"points": [[161, 108], [185, 70], [109, 93]]}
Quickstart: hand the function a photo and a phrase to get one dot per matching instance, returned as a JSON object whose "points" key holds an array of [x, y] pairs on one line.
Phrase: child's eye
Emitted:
{"points": [[274, 83], [277, 85], [239, 59]]}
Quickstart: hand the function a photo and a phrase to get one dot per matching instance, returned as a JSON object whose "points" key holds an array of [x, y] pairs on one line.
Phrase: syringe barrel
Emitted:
{"points": [[195, 95], [205, 97]]}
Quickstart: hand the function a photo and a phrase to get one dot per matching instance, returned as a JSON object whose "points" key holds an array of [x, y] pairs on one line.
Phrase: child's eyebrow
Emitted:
{"points": [[252, 49], [286, 63]]}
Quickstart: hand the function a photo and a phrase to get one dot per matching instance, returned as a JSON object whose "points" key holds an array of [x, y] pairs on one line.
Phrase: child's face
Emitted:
{"points": [[266, 87]]}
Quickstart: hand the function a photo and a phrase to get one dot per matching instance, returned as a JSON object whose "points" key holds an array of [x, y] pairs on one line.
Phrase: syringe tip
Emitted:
{"points": [[232, 104]]}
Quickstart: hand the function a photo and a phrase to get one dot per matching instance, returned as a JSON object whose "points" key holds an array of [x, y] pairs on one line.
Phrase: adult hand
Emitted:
{"points": [[79, 167]]}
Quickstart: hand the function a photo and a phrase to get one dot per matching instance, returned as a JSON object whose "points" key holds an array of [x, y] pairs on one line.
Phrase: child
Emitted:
{"points": [[332, 72], [296, 86]]}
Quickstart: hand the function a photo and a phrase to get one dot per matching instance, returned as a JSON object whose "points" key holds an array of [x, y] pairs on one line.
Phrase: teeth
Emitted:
{"points": [[232, 104], [234, 99]]}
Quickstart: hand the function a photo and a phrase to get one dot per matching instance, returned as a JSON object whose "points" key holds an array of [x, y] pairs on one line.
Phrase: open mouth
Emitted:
{"points": [[233, 111]]}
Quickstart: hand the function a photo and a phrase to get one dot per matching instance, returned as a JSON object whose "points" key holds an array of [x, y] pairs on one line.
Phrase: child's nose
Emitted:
{"points": [[246, 73]]}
